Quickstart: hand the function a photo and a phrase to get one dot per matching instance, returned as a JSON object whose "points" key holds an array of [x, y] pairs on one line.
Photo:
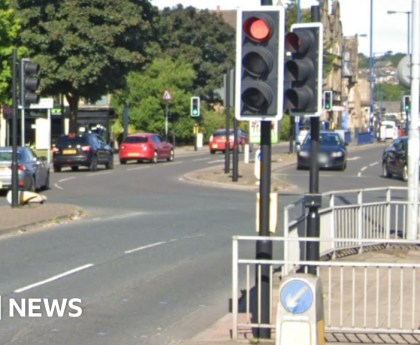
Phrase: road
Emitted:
{"points": [[152, 262]]}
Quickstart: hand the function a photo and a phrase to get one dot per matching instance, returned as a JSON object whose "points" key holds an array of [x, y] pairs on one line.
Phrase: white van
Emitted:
{"points": [[388, 130]]}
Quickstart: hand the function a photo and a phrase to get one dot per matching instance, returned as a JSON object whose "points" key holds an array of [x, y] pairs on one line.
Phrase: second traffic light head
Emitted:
{"points": [[29, 84], [407, 103], [304, 69], [195, 106]]}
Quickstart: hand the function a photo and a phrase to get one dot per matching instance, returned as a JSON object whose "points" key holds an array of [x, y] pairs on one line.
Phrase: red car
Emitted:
{"points": [[145, 146], [218, 141]]}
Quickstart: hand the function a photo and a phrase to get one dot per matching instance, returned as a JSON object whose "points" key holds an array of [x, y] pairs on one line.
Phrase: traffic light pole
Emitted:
{"points": [[227, 146], [15, 177]]}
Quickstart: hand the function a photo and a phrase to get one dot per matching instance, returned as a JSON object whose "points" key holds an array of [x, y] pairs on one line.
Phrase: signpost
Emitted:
{"points": [[48, 104], [167, 97]]}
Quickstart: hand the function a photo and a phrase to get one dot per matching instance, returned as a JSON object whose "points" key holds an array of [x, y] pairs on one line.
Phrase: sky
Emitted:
{"points": [[389, 30]]}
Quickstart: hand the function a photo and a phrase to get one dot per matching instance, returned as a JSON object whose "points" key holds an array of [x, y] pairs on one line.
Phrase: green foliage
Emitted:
{"points": [[9, 32], [285, 127], [364, 61], [144, 96], [292, 14], [389, 92], [204, 40], [86, 48], [211, 122]]}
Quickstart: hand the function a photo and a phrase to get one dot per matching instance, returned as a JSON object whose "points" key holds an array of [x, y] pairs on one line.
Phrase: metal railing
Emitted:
{"points": [[353, 222]]}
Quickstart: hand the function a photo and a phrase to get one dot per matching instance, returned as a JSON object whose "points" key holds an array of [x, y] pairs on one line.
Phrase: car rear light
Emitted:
{"points": [[20, 167], [21, 183], [72, 135], [55, 150], [86, 148]]}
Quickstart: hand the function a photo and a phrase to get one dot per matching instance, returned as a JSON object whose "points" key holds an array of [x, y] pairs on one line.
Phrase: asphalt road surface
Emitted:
{"points": [[152, 262]]}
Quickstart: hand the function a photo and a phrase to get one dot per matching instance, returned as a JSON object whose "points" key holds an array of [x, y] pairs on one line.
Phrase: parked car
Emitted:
{"points": [[145, 146], [86, 150], [395, 159], [33, 172], [218, 141], [332, 152]]}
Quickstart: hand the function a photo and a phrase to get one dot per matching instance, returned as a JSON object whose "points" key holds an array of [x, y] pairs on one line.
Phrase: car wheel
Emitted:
{"points": [[75, 168], [93, 164], [171, 156], [385, 171], [123, 161], [343, 166], [405, 174], [47, 182], [57, 168], [139, 161], [110, 164], [212, 152], [155, 158], [32, 187]]}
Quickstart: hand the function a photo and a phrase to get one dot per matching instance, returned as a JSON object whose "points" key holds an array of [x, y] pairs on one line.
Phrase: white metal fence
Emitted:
{"points": [[367, 297]]}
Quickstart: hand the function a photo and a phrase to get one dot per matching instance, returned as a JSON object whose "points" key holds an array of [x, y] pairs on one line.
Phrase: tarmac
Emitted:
{"points": [[35, 217]]}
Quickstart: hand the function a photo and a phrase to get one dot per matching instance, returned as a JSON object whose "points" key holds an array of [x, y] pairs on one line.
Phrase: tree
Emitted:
{"points": [[144, 97], [86, 47], [203, 39], [9, 31]]}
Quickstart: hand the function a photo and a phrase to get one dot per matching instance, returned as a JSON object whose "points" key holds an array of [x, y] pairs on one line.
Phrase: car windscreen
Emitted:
{"points": [[71, 141], [221, 133], [325, 139], [6, 156], [136, 140]]}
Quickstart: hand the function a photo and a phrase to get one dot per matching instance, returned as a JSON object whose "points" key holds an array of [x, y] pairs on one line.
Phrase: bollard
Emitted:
{"points": [[300, 312], [246, 153]]}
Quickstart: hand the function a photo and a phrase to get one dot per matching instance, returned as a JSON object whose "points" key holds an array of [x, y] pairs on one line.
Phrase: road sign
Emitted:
{"points": [[339, 108], [296, 296], [258, 162], [166, 96]]}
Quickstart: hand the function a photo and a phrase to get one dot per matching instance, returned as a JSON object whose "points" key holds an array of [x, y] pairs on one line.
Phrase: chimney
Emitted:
{"points": [[218, 8]]}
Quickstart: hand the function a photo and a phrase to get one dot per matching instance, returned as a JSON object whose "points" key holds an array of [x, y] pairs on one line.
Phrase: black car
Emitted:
{"points": [[87, 150], [332, 152], [395, 159]]}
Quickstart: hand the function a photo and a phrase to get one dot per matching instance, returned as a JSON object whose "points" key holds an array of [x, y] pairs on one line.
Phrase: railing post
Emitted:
{"points": [[286, 243], [388, 214], [235, 286], [332, 206], [360, 219]]}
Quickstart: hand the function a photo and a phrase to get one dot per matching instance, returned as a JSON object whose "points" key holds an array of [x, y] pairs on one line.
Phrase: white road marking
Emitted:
{"points": [[118, 216], [66, 179], [359, 174], [201, 159], [49, 280], [363, 169], [144, 247], [371, 165], [99, 173], [353, 158], [218, 161], [57, 186], [139, 168]]}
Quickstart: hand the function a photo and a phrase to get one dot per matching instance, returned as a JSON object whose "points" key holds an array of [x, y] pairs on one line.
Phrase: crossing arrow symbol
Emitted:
{"points": [[166, 96]]}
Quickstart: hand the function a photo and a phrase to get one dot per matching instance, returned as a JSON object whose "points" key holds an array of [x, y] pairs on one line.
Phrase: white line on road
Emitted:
{"points": [[353, 158], [57, 186], [66, 179], [139, 168], [359, 174], [363, 169], [59, 276], [99, 174], [172, 163], [144, 247], [201, 159], [371, 165], [218, 161]]}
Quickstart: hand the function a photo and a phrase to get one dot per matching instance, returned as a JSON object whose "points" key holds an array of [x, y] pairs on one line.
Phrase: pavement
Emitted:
{"points": [[41, 216]]}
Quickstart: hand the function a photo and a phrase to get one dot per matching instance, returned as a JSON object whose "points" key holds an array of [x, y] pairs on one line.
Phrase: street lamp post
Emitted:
{"points": [[371, 66], [408, 13]]}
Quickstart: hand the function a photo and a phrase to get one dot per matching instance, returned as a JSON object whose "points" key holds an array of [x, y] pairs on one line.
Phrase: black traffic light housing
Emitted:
{"points": [[407, 103], [29, 84], [195, 107], [328, 100], [259, 63], [305, 69]]}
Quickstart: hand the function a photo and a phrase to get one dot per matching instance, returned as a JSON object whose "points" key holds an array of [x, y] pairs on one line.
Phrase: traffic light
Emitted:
{"points": [[259, 63], [328, 100], [407, 103], [195, 106], [29, 84], [304, 70]]}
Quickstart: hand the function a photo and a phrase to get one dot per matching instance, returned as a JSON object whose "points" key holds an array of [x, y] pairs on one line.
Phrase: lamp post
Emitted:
{"points": [[371, 66], [408, 13]]}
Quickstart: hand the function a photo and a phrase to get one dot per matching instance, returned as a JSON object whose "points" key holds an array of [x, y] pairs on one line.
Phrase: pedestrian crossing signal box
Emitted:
{"points": [[300, 311]]}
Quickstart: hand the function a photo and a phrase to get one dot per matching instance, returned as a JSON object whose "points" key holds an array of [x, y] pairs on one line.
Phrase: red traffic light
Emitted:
{"points": [[258, 29], [299, 42]]}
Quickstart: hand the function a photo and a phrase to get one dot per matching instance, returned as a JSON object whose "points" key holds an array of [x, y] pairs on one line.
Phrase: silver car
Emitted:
{"points": [[33, 172]]}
